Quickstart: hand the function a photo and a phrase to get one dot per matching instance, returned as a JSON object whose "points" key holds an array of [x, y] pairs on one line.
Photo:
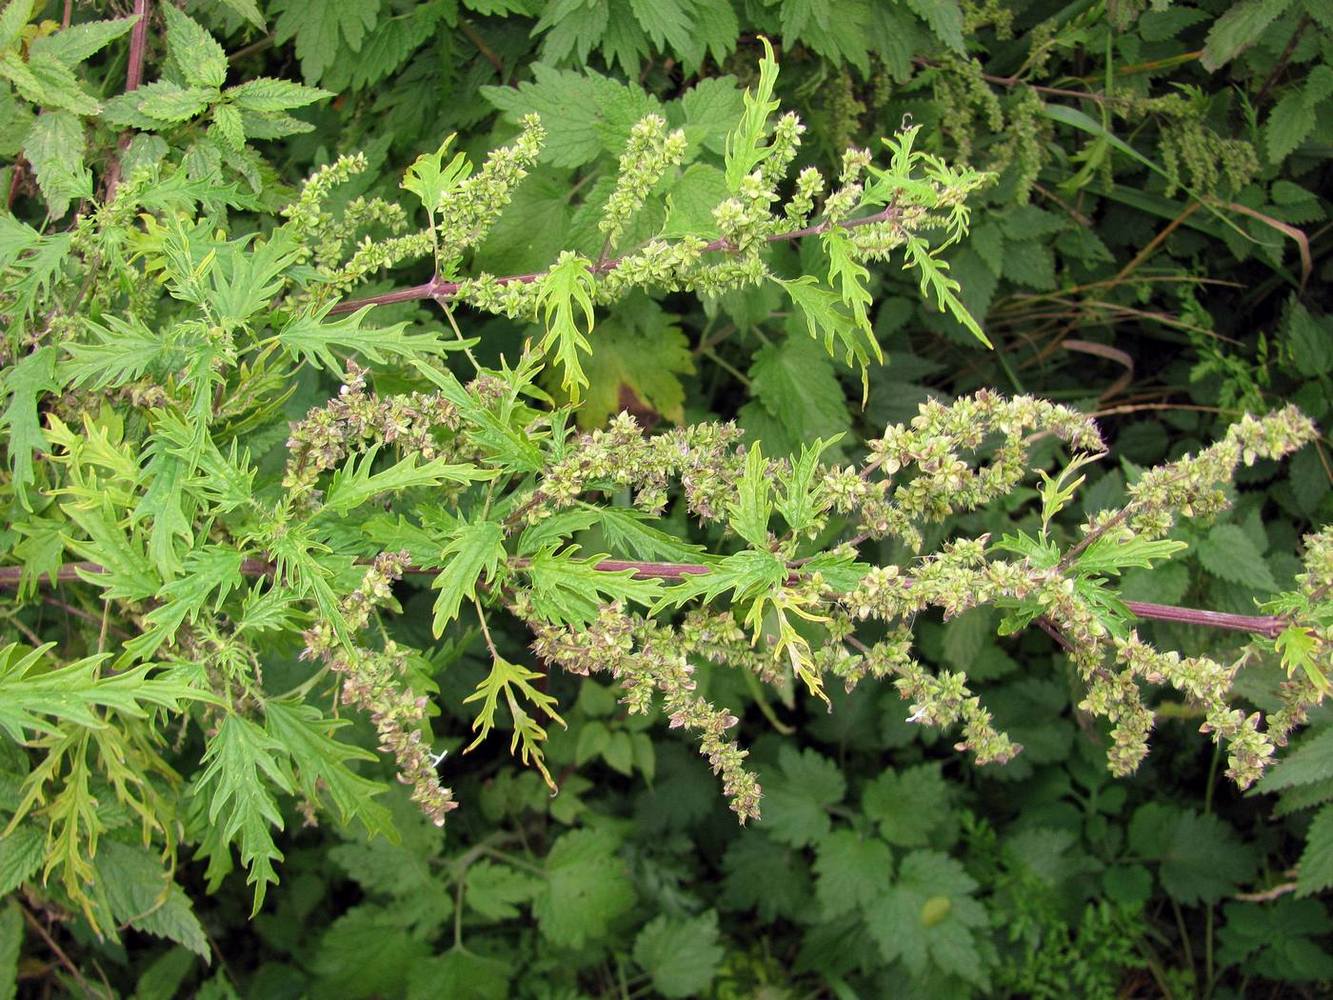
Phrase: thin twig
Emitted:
{"points": [[1280, 66], [488, 53], [1156, 242], [259, 45], [1051, 629], [56, 950]]}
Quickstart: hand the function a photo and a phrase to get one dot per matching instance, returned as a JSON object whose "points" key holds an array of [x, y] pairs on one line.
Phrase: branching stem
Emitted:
{"points": [[1267, 626], [441, 290]]}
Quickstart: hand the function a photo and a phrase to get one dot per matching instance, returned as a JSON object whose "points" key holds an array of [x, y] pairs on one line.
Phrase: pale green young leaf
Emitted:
{"points": [[212, 568], [307, 565], [934, 277], [202, 61], [25, 383], [475, 548], [13, 19], [565, 294], [267, 610], [322, 765], [567, 590], [1297, 647], [127, 574], [551, 531], [54, 148], [748, 574], [15, 237], [310, 339], [32, 702], [802, 500], [431, 180], [744, 146], [249, 275], [681, 954], [1112, 556], [33, 276], [353, 483], [840, 570], [825, 319], [749, 513], [41, 550], [851, 278], [514, 682], [167, 507], [242, 764], [508, 445], [123, 350]]}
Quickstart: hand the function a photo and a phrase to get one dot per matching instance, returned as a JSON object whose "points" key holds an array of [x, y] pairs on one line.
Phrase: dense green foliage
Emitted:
{"points": [[603, 498]]}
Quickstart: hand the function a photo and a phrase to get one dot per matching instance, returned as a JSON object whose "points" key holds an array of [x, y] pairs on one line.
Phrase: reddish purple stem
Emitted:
{"points": [[138, 46], [133, 77], [437, 289], [1268, 626]]}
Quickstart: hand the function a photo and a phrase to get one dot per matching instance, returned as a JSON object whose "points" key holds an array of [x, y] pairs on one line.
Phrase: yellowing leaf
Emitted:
{"points": [[640, 355]]}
